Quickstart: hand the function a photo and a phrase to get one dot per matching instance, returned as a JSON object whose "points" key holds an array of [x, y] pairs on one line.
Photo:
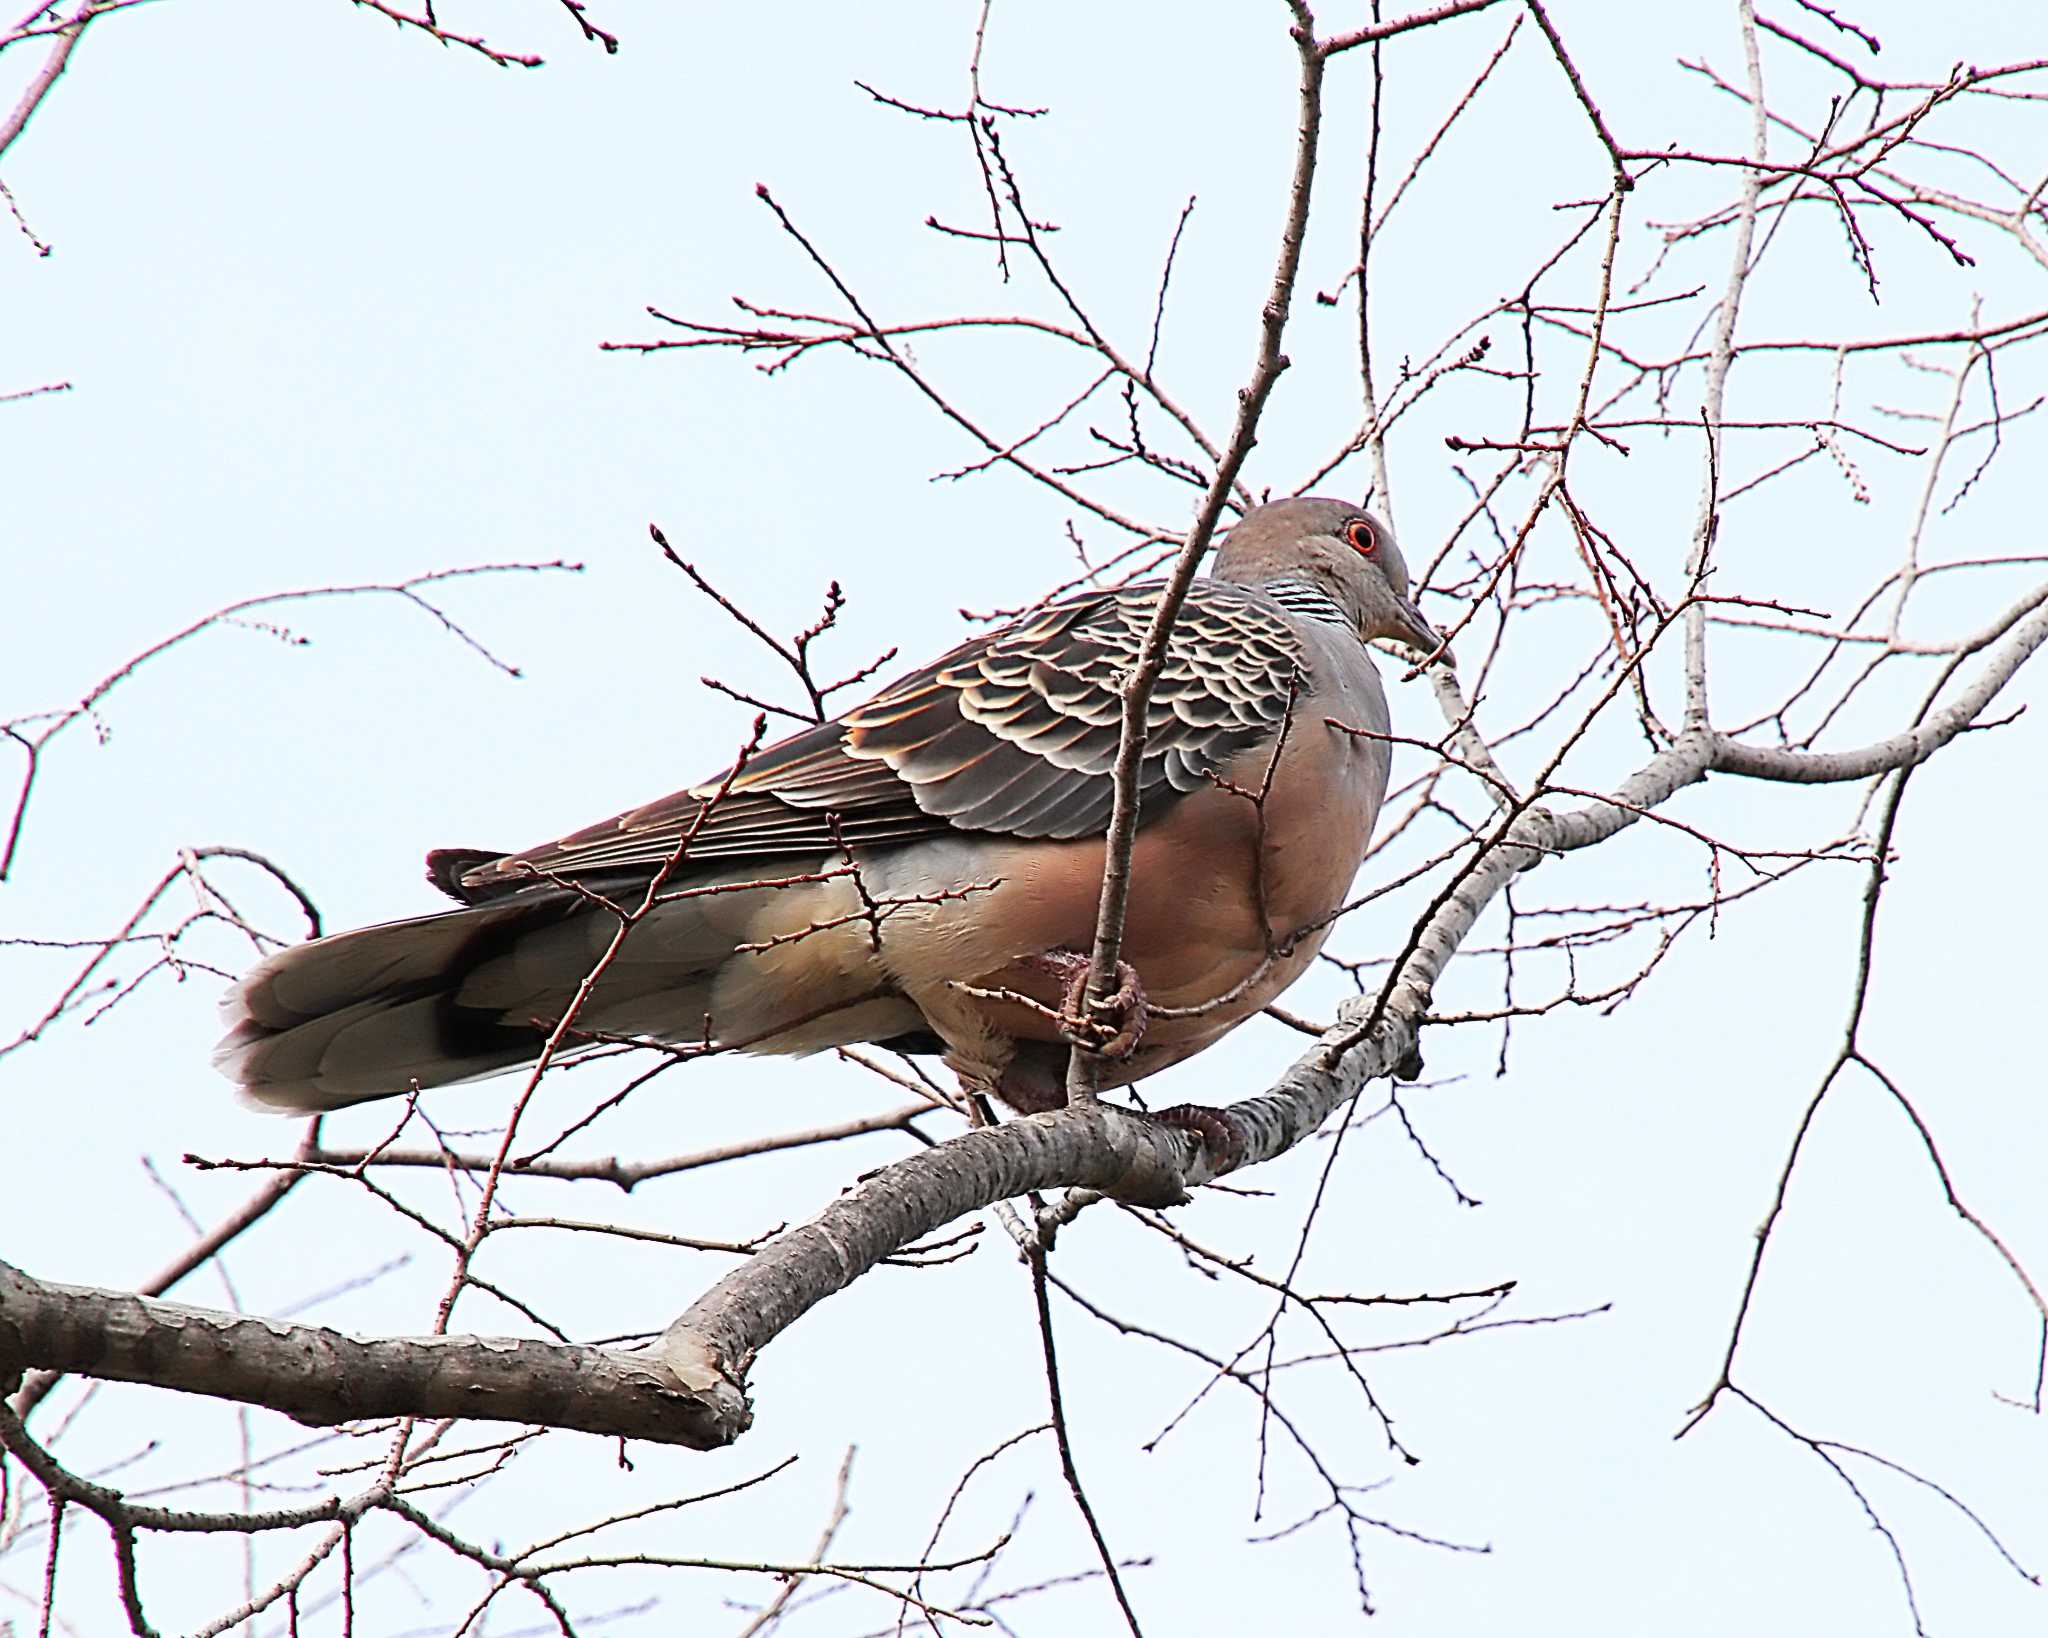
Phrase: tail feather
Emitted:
{"points": [[378, 1011], [475, 991]]}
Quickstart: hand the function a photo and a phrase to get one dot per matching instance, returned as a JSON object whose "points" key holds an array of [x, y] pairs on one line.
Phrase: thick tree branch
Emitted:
{"points": [[320, 1376], [202, 1251]]}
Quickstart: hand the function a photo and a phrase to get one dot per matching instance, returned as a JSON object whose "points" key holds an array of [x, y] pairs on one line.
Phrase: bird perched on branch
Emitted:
{"points": [[923, 871]]}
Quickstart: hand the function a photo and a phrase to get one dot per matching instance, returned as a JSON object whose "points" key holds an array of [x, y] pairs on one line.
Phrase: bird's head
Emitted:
{"points": [[1342, 550]]}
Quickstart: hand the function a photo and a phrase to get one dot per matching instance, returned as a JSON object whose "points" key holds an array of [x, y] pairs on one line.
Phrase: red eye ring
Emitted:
{"points": [[1360, 534]]}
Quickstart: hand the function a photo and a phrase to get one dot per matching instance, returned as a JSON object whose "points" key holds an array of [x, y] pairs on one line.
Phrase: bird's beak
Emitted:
{"points": [[1411, 628]]}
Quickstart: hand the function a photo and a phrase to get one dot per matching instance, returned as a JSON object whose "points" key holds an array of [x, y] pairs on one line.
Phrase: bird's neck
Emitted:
{"points": [[1299, 594]]}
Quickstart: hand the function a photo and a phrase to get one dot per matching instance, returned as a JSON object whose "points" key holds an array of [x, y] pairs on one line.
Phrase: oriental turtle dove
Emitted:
{"points": [[923, 872]]}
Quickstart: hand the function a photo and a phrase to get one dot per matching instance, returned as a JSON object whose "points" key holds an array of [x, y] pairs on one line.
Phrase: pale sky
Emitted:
{"points": [[329, 299]]}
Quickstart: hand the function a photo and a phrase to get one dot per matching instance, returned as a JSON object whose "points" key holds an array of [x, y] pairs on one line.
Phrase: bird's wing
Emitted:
{"points": [[1013, 733]]}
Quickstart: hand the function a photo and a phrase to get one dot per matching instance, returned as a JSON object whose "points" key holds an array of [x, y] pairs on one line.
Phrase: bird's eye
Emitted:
{"points": [[1360, 533]]}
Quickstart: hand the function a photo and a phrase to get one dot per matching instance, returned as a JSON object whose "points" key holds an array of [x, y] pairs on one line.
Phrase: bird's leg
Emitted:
{"points": [[1112, 1025], [1033, 1081]]}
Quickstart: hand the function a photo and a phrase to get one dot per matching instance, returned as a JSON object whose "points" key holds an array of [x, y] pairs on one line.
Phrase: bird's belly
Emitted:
{"points": [[1216, 950], [1220, 918]]}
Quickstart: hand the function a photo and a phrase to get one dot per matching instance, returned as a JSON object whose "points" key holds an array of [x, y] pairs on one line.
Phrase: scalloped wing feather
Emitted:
{"points": [[1014, 733]]}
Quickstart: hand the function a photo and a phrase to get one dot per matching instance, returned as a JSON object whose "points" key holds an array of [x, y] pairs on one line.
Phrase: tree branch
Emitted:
{"points": [[321, 1376], [1137, 688]]}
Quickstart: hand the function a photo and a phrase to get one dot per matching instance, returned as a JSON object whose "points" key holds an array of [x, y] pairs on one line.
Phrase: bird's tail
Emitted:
{"points": [[419, 1003]]}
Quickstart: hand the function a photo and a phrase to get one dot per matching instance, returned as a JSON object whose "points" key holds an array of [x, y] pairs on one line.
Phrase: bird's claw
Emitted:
{"points": [[1219, 1133], [1111, 1026]]}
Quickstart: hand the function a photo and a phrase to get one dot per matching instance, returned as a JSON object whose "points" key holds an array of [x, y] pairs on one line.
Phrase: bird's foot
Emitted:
{"points": [[1218, 1131], [1112, 1026]]}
